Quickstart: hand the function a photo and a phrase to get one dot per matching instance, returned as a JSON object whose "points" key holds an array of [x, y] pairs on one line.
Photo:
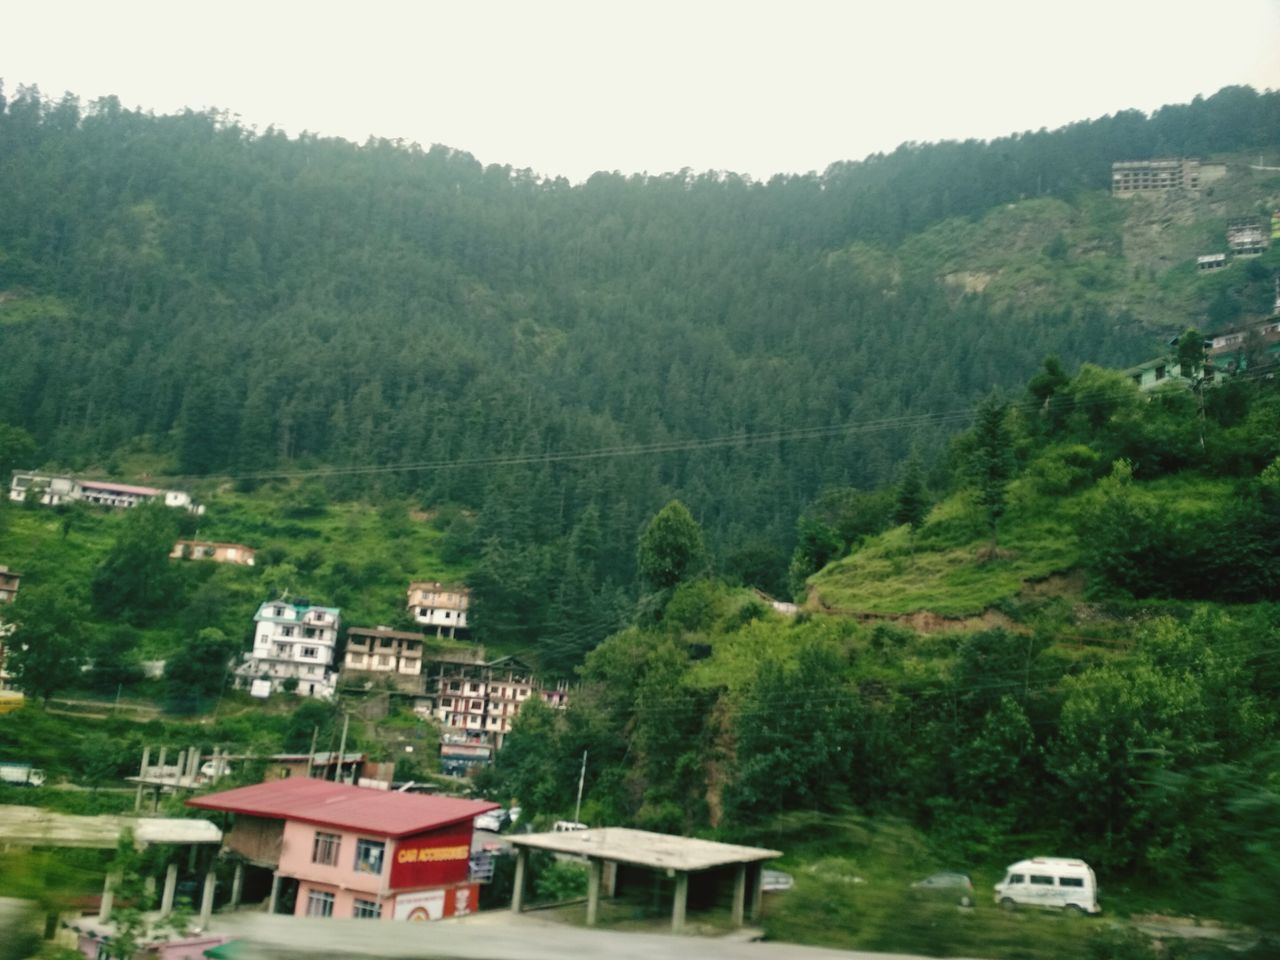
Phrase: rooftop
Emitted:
{"points": [[346, 807], [385, 632], [34, 826], [119, 488], [645, 849]]}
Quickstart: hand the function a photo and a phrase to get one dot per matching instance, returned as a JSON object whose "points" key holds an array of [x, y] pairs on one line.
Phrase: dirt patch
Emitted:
{"points": [[422, 516], [970, 281], [1055, 585]]}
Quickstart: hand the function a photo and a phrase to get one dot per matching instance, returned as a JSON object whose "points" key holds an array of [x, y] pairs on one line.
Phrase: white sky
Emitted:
{"points": [[572, 86]]}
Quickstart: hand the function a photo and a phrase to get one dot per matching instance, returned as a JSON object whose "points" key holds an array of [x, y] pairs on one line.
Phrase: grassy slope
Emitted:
{"points": [[349, 555]]}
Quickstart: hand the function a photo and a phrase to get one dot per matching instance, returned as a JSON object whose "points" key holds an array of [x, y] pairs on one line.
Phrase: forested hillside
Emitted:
{"points": [[182, 296]]}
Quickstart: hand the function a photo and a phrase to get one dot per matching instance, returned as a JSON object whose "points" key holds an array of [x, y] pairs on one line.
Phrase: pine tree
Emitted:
{"points": [[991, 462]]}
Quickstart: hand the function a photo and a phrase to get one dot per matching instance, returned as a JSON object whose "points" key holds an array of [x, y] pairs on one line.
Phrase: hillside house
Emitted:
{"points": [[293, 640], [1246, 238], [10, 580], [440, 605], [1212, 261], [236, 553], [51, 491], [383, 652]]}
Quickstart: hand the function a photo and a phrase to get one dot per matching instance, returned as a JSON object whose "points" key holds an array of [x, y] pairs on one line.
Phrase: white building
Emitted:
{"points": [[53, 490], [440, 605], [293, 640]]}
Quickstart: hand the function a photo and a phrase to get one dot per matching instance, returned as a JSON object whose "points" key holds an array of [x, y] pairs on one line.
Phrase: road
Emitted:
{"points": [[493, 935]]}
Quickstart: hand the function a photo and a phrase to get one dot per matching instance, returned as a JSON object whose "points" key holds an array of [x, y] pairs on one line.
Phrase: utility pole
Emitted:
{"points": [[311, 757], [342, 746], [582, 778]]}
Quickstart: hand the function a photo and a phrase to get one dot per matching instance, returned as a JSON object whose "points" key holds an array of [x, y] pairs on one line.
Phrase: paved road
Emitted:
{"points": [[494, 935]]}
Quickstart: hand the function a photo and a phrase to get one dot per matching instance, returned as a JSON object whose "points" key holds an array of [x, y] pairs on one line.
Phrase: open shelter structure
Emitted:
{"points": [[626, 851]]}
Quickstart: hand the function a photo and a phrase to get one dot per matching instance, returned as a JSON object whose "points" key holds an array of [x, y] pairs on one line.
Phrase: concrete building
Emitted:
{"points": [[383, 652], [293, 640], [1132, 177], [51, 490], [342, 851], [236, 553], [10, 580], [478, 700], [1212, 261], [1247, 238], [440, 605]]}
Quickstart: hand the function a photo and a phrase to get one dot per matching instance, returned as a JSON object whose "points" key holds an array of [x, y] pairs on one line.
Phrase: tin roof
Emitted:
{"points": [[358, 809], [654, 850], [120, 488]]}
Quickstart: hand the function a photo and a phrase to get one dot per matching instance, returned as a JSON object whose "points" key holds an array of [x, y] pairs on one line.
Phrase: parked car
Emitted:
{"points": [[1059, 882], [776, 881], [492, 821], [949, 885]]}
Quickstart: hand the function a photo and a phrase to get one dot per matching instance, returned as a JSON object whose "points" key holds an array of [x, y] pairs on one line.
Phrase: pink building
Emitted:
{"points": [[353, 851]]}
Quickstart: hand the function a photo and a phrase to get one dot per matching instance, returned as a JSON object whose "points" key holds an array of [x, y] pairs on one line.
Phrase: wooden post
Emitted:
{"points": [[275, 891], [517, 891], [142, 772], [594, 868], [680, 903], [237, 884], [739, 893]]}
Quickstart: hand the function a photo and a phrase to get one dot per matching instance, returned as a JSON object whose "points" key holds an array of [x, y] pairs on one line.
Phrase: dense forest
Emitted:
{"points": [[184, 297]]}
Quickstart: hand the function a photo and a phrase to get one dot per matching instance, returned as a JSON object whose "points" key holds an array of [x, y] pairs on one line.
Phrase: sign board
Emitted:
{"points": [[437, 858], [420, 907], [260, 688]]}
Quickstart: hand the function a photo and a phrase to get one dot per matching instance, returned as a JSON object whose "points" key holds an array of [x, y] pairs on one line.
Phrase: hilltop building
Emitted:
{"points": [[477, 701], [236, 553], [1132, 177], [51, 490], [440, 605], [335, 850], [381, 651], [292, 640], [1212, 261]]}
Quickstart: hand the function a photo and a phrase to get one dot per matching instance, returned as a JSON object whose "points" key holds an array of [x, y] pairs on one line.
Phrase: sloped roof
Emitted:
{"points": [[359, 809], [659, 851], [120, 487]]}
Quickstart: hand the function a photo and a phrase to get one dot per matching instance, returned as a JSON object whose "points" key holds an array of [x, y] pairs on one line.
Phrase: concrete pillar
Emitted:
{"points": [[182, 766], [170, 888], [757, 893], [163, 751], [594, 868], [206, 896], [517, 890], [142, 772], [680, 903], [108, 898], [237, 884], [739, 893], [275, 891]]}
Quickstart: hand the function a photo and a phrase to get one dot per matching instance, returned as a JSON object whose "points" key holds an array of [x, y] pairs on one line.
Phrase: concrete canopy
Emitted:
{"points": [[34, 827], [658, 851]]}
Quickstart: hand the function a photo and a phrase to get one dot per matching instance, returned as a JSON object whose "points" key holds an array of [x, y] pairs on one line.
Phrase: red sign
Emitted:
{"points": [[432, 859]]}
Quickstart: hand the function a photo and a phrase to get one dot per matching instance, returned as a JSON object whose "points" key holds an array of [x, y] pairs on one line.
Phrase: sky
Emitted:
{"points": [[566, 87]]}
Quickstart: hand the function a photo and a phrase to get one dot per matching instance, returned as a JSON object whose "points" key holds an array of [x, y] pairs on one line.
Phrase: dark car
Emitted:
{"points": [[949, 885]]}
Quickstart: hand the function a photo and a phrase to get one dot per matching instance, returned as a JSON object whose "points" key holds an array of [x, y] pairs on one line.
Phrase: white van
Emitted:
{"points": [[1049, 882]]}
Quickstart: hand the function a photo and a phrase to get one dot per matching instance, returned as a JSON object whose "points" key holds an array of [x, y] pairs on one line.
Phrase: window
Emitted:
{"points": [[310, 652], [476, 706], [1037, 880], [371, 909], [1017, 878], [447, 703], [319, 904], [325, 849], [1071, 881], [369, 856], [286, 631], [308, 632], [455, 687], [278, 612], [384, 661]]}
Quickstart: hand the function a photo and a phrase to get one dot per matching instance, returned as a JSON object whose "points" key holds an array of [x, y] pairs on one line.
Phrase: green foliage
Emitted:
{"points": [[671, 549], [991, 461], [561, 881], [911, 503], [46, 647], [196, 675], [134, 581]]}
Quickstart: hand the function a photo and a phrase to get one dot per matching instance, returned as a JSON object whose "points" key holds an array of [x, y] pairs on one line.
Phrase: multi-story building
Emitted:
{"points": [[293, 640], [236, 553], [440, 605], [1247, 238], [1131, 177], [478, 700], [51, 491], [9, 583], [382, 651]]}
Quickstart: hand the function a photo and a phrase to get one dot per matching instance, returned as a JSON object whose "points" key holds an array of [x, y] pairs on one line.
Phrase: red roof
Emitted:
{"points": [[359, 809]]}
